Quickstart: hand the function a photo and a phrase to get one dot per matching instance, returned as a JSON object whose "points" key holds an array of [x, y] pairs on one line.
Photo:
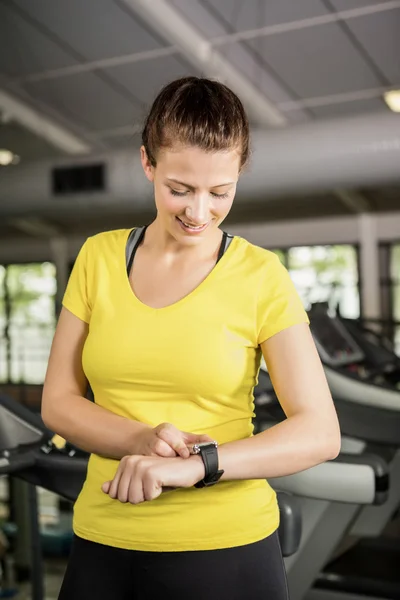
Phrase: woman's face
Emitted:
{"points": [[194, 190]]}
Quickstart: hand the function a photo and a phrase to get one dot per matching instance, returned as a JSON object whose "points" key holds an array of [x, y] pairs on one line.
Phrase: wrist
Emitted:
{"points": [[197, 468], [136, 438]]}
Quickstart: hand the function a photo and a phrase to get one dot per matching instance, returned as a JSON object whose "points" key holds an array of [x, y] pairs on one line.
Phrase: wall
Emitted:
{"points": [[332, 230]]}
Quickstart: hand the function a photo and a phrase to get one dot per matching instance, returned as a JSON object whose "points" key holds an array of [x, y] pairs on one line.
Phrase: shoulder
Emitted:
{"points": [[106, 244], [108, 239], [105, 247], [257, 258]]}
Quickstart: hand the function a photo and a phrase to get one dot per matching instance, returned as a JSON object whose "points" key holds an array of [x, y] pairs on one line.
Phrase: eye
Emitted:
{"points": [[220, 195], [180, 194]]}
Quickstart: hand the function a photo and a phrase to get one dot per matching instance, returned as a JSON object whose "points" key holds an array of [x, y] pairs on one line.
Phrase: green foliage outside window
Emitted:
{"points": [[27, 321]]}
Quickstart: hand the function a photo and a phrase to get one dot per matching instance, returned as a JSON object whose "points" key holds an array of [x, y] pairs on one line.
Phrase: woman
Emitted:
{"points": [[172, 350]]}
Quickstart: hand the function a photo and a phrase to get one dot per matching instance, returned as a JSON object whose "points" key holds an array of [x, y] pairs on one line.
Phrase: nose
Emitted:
{"points": [[198, 211]]}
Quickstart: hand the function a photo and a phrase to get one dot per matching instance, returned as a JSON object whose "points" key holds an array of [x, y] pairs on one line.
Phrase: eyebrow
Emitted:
{"points": [[190, 187]]}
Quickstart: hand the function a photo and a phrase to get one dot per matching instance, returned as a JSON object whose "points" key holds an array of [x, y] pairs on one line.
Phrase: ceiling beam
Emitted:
{"points": [[199, 51], [42, 125], [355, 201], [35, 226]]}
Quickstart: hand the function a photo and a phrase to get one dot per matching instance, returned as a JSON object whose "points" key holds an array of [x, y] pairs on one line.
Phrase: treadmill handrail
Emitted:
{"points": [[13, 463], [361, 392], [290, 526], [351, 479]]}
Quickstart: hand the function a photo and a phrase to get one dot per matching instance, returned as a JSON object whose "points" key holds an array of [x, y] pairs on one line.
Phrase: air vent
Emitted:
{"points": [[78, 180]]}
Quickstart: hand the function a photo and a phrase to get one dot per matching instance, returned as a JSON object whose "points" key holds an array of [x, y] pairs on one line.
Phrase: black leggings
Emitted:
{"points": [[251, 572]]}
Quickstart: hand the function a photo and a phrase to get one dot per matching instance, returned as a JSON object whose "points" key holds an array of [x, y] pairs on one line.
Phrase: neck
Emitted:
{"points": [[160, 241]]}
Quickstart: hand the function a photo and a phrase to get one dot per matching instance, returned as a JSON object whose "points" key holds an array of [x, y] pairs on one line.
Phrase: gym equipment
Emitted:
{"points": [[368, 408], [364, 411], [381, 363], [27, 451]]}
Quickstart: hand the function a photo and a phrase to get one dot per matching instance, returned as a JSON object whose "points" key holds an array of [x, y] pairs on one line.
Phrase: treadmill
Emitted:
{"points": [[369, 415], [382, 365], [332, 495], [27, 451]]}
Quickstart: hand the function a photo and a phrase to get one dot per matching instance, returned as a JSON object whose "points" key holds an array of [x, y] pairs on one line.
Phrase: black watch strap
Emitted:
{"points": [[209, 455]]}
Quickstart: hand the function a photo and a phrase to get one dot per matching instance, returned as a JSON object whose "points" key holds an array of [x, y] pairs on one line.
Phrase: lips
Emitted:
{"points": [[191, 225], [189, 228]]}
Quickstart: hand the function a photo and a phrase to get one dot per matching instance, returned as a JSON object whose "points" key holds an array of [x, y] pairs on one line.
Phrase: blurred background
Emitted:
{"points": [[320, 80]]}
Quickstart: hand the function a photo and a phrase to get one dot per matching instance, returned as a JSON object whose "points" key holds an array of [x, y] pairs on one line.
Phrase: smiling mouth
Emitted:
{"points": [[192, 227]]}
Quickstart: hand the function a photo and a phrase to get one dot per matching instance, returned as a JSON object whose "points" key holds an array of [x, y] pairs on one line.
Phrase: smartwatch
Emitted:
{"points": [[209, 454]]}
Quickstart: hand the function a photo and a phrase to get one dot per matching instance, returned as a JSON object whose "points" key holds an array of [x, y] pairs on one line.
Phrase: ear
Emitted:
{"points": [[146, 164]]}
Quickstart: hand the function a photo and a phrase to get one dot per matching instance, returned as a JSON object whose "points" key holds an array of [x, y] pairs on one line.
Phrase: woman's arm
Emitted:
{"points": [[310, 434]]}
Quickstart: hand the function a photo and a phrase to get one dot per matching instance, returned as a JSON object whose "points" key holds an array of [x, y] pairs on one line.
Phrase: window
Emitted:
{"points": [[3, 321], [327, 274], [27, 321], [394, 281]]}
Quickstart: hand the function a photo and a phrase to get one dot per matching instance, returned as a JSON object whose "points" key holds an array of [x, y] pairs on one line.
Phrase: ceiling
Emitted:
{"points": [[87, 70]]}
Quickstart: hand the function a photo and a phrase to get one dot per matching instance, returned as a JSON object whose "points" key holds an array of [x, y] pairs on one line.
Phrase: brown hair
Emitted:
{"points": [[199, 112]]}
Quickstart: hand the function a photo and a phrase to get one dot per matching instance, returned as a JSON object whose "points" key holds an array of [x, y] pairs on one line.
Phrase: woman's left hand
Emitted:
{"points": [[142, 478]]}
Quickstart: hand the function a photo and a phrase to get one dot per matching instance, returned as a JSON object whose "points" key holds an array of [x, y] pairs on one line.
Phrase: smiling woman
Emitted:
{"points": [[176, 501]]}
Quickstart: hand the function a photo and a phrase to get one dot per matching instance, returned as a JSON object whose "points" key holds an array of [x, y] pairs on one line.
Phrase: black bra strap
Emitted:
{"points": [[225, 243], [136, 236]]}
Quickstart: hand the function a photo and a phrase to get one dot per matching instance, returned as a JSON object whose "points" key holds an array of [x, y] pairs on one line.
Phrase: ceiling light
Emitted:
{"points": [[8, 158], [392, 99]]}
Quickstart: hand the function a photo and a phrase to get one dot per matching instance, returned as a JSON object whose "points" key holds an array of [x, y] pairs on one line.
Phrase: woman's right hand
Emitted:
{"points": [[167, 441]]}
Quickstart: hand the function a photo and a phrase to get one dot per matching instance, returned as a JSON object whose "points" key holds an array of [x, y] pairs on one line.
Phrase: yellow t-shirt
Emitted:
{"points": [[194, 364]]}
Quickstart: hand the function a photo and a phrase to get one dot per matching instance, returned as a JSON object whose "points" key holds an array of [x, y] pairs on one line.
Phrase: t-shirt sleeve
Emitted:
{"points": [[77, 294], [279, 305]]}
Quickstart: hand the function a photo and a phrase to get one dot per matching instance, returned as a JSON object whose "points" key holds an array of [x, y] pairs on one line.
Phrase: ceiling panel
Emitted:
{"points": [[94, 28], [145, 79], [199, 16], [319, 61], [25, 50], [260, 75], [211, 23], [88, 97], [255, 13], [350, 108], [380, 36]]}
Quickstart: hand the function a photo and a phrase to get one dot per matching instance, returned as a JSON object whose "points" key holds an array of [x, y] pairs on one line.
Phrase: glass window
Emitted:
{"points": [[395, 284], [31, 290], [327, 274], [3, 320]]}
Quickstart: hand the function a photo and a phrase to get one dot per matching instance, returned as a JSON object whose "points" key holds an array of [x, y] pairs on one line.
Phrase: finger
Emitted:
{"points": [[195, 438], [126, 481], [106, 487], [152, 489], [136, 494], [174, 438], [113, 490], [161, 448]]}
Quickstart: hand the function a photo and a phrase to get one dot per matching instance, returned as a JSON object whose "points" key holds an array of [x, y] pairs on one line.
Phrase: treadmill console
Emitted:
{"points": [[336, 346]]}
